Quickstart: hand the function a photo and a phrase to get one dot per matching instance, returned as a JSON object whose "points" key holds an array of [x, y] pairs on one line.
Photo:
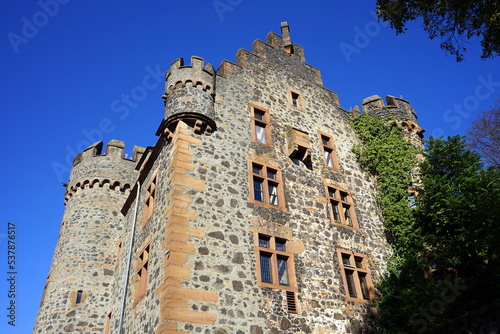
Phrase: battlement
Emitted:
{"points": [[397, 107], [197, 74], [115, 148], [278, 50]]}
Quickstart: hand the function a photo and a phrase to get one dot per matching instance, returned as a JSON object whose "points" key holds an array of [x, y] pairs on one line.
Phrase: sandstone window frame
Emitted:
{"points": [[277, 253], [141, 271], [328, 150], [270, 192], [260, 119], [356, 276], [77, 297], [149, 199], [295, 99], [341, 207]]}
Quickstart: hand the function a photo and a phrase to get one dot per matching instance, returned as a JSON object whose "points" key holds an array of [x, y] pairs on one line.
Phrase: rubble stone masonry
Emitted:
{"points": [[233, 233]]}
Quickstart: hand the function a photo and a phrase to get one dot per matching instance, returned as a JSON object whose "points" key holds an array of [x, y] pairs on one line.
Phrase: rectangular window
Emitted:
{"points": [[267, 187], [275, 262], [141, 273], [275, 268], [329, 155], [78, 297], [149, 201], [356, 276], [295, 99], [261, 132], [341, 207]]}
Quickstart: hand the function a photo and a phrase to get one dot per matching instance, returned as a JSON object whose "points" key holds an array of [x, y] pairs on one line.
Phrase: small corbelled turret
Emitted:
{"points": [[189, 96]]}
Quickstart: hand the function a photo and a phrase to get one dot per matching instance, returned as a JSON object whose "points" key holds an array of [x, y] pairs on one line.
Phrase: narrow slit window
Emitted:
{"points": [[78, 297]]}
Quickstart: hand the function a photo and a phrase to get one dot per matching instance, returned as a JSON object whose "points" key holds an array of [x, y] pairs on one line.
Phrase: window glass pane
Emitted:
{"points": [[343, 196], [273, 194], [271, 173], [349, 275], [331, 192], [347, 215], [282, 271], [257, 190], [363, 285], [264, 241], [412, 201], [260, 133], [259, 114], [359, 261], [295, 98], [346, 260], [328, 159], [280, 245], [265, 267], [335, 210], [256, 169], [325, 141], [79, 296]]}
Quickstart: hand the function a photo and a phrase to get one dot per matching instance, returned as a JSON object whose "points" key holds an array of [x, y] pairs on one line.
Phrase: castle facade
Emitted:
{"points": [[249, 215]]}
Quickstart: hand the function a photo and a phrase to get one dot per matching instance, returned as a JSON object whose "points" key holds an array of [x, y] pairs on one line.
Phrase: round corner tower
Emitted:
{"points": [[189, 96], [401, 110], [78, 289]]}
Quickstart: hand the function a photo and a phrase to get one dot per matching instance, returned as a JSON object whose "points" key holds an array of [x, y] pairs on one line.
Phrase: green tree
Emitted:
{"points": [[456, 253], [454, 22]]}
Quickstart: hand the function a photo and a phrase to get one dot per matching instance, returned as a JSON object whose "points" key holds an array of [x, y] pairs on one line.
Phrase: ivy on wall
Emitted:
{"points": [[391, 159]]}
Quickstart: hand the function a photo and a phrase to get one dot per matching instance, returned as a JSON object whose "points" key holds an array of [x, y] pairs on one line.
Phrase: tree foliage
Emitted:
{"points": [[444, 276], [484, 135], [454, 22]]}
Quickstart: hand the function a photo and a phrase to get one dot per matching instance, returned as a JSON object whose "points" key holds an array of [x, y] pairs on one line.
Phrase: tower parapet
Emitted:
{"points": [[398, 108], [189, 95], [93, 168]]}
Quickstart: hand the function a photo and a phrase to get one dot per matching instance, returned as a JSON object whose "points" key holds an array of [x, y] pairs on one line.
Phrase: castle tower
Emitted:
{"points": [[189, 95], [401, 110], [77, 291]]}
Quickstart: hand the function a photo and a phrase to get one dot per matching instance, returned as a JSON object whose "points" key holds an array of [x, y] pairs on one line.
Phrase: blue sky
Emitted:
{"points": [[67, 67]]}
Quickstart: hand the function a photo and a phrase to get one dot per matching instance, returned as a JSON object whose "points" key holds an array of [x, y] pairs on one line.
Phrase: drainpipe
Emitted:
{"points": [[127, 270]]}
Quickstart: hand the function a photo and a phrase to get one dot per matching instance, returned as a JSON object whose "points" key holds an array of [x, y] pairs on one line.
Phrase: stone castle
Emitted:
{"points": [[249, 215]]}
